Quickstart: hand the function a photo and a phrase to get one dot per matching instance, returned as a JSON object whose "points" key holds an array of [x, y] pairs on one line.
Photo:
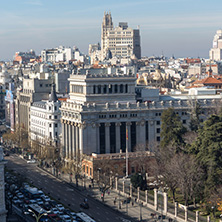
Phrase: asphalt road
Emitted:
{"points": [[61, 191]]}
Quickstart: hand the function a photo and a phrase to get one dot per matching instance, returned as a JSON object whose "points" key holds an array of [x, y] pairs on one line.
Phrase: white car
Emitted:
{"points": [[60, 207], [66, 218], [31, 161], [55, 210]]}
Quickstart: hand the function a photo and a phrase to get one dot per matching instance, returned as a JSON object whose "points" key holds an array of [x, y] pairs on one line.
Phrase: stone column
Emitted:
{"points": [[70, 141], [107, 135], [186, 213], [141, 133], [77, 139], [131, 190], [73, 140], [155, 199], [118, 137], [138, 193], [197, 216], [151, 126], [67, 142], [146, 195], [176, 209], [111, 181], [116, 183], [81, 138], [165, 201], [208, 218], [123, 186], [63, 139]]}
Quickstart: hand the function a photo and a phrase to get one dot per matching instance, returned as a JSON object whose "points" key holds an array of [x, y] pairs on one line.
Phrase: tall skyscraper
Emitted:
{"points": [[216, 52], [120, 41]]}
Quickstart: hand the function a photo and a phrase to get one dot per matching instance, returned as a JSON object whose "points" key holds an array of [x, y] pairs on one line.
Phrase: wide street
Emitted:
{"points": [[62, 191]]}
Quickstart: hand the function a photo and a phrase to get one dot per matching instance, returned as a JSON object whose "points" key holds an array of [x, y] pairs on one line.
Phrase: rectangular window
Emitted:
{"points": [[133, 136], [112, 129], [102, 138], [123, 136]]}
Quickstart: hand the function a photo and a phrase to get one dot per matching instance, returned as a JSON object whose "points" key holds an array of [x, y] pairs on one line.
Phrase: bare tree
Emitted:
{"points": [[189, 176], [106, 172], [74, 167], [142, 159]]}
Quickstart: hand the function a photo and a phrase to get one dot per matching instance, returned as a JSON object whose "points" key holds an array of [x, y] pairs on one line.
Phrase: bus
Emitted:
{"points": [[84, 217], [38, 212], [31, 192]]}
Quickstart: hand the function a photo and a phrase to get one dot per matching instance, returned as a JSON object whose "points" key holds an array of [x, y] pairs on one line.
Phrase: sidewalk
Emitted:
{"points": [[134, 211]]}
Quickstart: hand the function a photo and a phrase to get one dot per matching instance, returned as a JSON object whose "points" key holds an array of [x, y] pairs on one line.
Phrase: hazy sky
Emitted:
{"points": [[172, 27]]}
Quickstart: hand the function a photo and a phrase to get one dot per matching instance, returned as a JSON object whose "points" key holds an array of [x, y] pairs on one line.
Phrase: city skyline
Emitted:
{"points": [[170, 27]]}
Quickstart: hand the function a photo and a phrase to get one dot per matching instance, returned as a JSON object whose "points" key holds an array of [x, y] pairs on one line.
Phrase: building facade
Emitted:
{"points": [[45, 120], [121, 41], [216, 51], [102, 107], [33, 90]]}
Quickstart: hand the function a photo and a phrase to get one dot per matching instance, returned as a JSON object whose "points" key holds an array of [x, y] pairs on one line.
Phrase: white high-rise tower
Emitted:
{"points": [[216, 52]]}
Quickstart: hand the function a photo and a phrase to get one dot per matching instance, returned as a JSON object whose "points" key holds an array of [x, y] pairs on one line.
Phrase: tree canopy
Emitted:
{"points": [[208, 149], [172, 129]]}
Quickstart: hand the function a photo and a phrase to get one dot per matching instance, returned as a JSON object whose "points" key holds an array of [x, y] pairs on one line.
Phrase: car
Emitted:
{"points": [[52, 203], [46, 198], [47, 206], [55, 210], [31, 161], [84, 205], [66, 218], [60, 207], [20, 195]]}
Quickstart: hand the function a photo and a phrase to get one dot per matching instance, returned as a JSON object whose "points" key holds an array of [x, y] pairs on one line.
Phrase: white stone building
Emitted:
{"points": [[101, 107], [60, 54], [216, 51], [45, 123], [121, 41]]}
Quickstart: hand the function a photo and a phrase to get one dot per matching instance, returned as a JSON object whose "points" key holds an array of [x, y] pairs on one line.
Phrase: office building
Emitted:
{"points": [[121, 41]]}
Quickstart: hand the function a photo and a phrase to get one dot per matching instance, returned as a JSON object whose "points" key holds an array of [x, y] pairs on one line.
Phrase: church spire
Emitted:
{"points": [[53, 96]]}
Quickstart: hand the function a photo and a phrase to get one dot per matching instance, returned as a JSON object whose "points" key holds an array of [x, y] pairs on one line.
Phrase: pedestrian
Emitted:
{"points": [[114, 202], [135, 200], [108, 192], [132, 203]]}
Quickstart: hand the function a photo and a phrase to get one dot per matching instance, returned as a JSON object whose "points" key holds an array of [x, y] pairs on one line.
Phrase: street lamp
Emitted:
{"points": [[141, 205], [37, 217]]}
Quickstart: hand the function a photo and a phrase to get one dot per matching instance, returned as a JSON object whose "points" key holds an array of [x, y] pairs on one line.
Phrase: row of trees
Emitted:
{"points": [[191, 162]]}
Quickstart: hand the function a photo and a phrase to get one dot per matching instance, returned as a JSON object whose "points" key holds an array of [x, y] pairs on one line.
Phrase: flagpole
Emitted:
{"points": [[127, 157]]}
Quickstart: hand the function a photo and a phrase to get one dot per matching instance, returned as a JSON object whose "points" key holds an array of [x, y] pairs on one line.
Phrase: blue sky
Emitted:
{"points": [[172, 27]]}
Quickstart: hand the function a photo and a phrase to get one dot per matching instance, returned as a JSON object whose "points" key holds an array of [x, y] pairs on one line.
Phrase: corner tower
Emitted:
{"points": [[107, 25]]}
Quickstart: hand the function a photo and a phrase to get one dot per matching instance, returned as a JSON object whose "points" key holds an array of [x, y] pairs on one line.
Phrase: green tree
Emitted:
{"points": [[195, 116], [172, 130], [137, 180], [208, 149]]}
